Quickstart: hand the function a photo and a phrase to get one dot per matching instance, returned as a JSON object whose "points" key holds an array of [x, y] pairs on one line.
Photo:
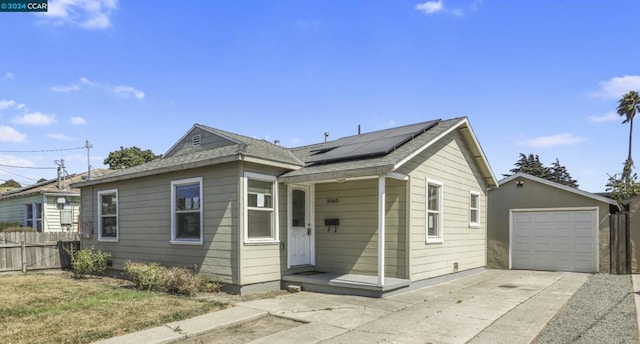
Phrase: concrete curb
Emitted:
{"points": [[636, 289], [190, 327]]}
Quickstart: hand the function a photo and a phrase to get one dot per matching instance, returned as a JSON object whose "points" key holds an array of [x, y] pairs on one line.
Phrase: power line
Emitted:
{"points": [[34, 168], [42, 150], [35, 180]]}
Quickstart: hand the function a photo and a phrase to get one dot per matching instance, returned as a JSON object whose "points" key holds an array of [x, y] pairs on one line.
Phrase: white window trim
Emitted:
{"points": [[108, 192], [475, 224], [180, 241], [440, 237], [276, 227]]}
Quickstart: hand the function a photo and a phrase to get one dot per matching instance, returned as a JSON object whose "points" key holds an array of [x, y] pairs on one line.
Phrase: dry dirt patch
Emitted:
{"points": [[245, 332]]}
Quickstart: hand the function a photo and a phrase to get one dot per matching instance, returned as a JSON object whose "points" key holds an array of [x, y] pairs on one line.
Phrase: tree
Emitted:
{"points": [[623, 186], [128, 157], [628, 106], [11, 184], [531, 165], [559, 174]]}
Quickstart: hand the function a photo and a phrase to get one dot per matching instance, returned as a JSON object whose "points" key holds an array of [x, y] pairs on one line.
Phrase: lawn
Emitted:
{"points": [[55, 308]]}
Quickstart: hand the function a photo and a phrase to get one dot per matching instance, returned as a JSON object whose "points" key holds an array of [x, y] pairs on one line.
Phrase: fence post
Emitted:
{"points": [[23, 253]]}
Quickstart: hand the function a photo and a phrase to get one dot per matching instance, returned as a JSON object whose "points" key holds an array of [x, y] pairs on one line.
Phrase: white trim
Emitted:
{"points": [[100, 194], [558, 186], [529, 210], [440, 237], [180, 182], [275, 224], [464, 122], [475, 224], [381, 227], [397, 176]]}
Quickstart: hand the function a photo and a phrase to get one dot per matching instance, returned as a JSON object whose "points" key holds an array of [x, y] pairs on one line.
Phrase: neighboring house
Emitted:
{"points": [[538, 224], [48, 206], [367, 213]]}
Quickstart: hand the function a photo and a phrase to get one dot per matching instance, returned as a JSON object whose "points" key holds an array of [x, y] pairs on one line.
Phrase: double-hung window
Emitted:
{"points": [[434, 211], [474, 209], [108, 215], [260, 213], [33, 216], [186, 211]]}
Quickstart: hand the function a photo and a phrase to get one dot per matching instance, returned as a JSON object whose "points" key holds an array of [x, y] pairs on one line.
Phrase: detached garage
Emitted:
{"points": [[536, 224]]}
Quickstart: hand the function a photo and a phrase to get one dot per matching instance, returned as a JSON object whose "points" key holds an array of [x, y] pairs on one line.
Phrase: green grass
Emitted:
{"points": [[45, 308]]}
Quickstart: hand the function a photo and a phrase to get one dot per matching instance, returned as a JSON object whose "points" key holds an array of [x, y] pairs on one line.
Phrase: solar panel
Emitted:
{"points": [[370, 144]]}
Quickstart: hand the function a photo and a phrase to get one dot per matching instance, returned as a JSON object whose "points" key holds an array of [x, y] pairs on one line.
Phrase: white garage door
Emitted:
{"points": [[554, 240]]}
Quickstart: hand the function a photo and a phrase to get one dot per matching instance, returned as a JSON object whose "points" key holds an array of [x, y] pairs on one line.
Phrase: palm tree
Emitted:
{"points": [[628, 106]]}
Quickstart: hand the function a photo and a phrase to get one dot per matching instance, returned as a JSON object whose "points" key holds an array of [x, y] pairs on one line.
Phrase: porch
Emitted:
{"points": [[344, 284]]}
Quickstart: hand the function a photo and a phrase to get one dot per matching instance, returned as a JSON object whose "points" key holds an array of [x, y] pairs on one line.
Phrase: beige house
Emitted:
{"points": [[49, 206], [537, 224], [364, 214]]}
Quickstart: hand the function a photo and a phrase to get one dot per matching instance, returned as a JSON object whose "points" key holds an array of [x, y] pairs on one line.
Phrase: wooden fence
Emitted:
{"points": [[620, 243], [34, 251]]}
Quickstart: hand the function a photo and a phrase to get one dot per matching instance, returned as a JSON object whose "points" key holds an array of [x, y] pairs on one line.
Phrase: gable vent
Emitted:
{"points": [[196, 140]]}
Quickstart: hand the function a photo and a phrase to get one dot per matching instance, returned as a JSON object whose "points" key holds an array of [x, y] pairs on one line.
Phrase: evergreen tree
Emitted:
{"points": [[11, 184], [559, 174], [623, 186], [531, 165]]}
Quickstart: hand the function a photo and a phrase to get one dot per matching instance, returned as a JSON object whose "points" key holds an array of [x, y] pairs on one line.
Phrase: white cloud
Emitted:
{"points": [[21, 106], [87, 81], [35, 118], [7, 76], [430, 7], [58, 136], [8, 134], [68, 88], [77, 120], [607, 117], [88, 14], [128, 91], [553, 140], [618, 86], [14, 161], [5, 104]]}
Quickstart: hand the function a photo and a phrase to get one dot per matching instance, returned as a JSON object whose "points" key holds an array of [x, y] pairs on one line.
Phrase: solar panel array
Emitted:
{"points": [[371, 144]]}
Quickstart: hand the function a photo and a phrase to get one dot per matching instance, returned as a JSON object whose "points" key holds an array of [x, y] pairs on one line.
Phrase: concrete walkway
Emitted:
{"points": [[488, 307]]}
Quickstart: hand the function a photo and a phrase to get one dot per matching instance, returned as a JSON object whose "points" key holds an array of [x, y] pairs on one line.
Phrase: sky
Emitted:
{"points": [[533, 77]]}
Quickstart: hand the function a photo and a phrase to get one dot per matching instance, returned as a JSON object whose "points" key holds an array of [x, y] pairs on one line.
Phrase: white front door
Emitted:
{"points": [[300, 225]]}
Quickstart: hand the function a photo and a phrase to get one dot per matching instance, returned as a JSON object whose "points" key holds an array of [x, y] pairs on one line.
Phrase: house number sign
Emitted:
{"points": [[333, 200]]}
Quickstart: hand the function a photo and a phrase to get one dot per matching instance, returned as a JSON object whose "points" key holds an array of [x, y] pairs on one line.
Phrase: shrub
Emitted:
{"points": [[6, 224], [17, 229], [87, 261], [146, 276], [174, 280]]}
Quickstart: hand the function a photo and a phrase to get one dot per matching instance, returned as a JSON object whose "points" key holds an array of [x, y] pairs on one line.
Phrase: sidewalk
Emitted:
{"points": [[494, 305]]}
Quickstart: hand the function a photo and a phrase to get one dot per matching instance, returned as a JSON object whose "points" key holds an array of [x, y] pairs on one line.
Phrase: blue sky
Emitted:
{"points": [[538, 77]]}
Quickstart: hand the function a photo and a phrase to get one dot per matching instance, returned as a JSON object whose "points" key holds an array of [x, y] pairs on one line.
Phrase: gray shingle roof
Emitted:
{"points": [[298, 160], [386, 161]]}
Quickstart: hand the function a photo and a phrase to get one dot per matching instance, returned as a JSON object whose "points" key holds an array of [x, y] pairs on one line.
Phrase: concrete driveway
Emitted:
{"points": [[493, 306], [489, 307]]}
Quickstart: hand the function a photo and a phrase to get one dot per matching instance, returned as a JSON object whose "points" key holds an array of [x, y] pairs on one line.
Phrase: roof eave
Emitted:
{"points": [[368, 172], [558, 186]]}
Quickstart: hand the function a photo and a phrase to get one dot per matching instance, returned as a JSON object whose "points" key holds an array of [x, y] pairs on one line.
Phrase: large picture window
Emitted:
{"points": [[186, 211], [108, 215], [434, 211], [261, 199], [33, 216]]}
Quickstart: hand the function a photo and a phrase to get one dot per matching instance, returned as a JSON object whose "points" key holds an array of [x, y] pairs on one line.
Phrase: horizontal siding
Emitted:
{"points": [[144, 215], [448, 161], [353, 248], [51, 220], [13, 209]]}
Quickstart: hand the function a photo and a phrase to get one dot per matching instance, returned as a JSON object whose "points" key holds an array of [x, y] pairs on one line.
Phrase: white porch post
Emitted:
{"points": [[381, 229]]}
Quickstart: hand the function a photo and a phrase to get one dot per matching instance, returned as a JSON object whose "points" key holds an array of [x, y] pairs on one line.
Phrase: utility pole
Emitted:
{"points": [[88, 145]]}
